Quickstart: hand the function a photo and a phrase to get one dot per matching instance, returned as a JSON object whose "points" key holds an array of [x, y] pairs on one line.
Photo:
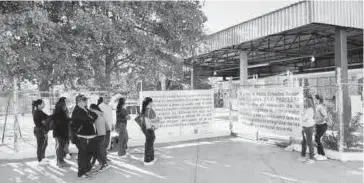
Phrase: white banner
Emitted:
{"points": [[274, 111], [182, 107]]}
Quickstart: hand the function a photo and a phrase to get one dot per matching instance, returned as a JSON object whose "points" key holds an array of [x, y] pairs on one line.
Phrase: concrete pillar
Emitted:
{"points": [[343, 99], [243, 67], [193, 76]]}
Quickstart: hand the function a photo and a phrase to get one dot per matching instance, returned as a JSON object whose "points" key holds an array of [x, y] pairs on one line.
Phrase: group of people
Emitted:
{"points": [[314, 118], [89, 129]]}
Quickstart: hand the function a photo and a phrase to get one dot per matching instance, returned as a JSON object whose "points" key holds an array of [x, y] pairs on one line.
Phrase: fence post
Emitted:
{"points": [[231, 125], [340, 111], [15, 109]]}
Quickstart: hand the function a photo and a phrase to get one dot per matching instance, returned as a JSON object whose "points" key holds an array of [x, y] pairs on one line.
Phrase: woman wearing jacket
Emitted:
{"points": [[60, 132], [122, 118], [66, 147], [40, 129], [101, 128], [308, 124]]}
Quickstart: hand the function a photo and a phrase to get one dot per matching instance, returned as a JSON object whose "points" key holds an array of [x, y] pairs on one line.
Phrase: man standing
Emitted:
{"points": [[108, 114], [83, 124]]}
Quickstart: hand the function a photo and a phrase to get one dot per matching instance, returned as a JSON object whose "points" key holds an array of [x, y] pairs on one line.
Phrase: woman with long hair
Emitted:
{"points": [[99, 149], [321, 126], [66, 147], [308, 124], [40, 129], [60, 132], [122, 118], [148, 130]]}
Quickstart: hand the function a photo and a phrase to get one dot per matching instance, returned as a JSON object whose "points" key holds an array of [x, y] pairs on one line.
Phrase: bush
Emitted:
{"points": [[331, 139]]}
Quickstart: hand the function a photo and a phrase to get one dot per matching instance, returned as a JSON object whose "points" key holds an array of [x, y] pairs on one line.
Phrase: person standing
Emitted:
{"points": [[82, 122], [148, 128], [101, 128], [108, 115], [122, 118], [66, 147], [60, 132], [40, 130], [321, 126], [308, 124]]}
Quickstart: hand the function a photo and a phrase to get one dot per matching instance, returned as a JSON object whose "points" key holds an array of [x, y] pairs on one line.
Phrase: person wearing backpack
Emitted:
{"points": [[321, 127]]}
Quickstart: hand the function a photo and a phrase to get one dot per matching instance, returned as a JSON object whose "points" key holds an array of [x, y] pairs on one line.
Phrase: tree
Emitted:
{"points": [[79, 42]]}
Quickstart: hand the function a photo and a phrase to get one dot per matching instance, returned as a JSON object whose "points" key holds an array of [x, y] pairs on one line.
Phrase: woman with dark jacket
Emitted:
{"points": [[60, 132], [40, 129], [122, 118], [66, 147]]}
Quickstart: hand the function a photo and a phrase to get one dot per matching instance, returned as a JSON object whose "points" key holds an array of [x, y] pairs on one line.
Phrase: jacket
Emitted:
{"points": [[321, 114], [108, 113], [61, 122], [101, 125], [83, 122], [308, 117]]}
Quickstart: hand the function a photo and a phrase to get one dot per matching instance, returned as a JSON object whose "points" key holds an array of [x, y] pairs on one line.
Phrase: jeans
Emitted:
{"points": [[106, 142], [149, 145], [99, 150], [60, 149], [123, 139], [42, 142], [85, 152], [307, 133], [320, 131]]}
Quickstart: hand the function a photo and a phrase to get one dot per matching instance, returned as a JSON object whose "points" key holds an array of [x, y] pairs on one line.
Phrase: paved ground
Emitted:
{"points": [[218, 160]]}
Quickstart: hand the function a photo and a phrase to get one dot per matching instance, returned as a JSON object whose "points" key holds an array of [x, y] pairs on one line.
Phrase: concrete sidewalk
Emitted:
{"points": [[232, 160]]}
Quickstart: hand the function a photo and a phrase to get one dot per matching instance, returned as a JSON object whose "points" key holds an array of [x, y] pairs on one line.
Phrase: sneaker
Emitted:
{"points": [[63, 165], [149, 163], [321, 158], [46, 160], [309, 162], [42, 163], [68, 156], [85, 176], [302, 159], [104, 167]]}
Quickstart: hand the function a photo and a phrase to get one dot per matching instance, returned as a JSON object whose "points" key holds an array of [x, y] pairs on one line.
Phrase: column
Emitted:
{"points": [[193, 76], [243, 67], [342, 98]]}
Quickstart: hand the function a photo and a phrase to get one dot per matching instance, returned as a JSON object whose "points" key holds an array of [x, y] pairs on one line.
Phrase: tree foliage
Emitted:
{"points": [[93, 43]]}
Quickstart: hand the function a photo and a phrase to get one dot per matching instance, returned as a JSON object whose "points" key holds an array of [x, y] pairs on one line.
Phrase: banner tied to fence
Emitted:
{"points": [[182, 107], [273, 111]]}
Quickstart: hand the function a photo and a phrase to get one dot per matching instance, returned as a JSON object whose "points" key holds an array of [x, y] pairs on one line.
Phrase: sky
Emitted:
{"points": [[224, 14]]}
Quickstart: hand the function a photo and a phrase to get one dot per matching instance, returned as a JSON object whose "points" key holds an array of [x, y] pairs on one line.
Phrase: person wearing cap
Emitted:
{"points": [[83, 121], [108, 115]]}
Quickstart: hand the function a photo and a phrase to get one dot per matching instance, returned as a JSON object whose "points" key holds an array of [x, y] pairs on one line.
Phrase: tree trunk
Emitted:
{"points": [[44, 87]]}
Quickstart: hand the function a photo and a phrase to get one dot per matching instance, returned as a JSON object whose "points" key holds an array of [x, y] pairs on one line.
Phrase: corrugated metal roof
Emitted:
{"points": [[337, 12]]}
